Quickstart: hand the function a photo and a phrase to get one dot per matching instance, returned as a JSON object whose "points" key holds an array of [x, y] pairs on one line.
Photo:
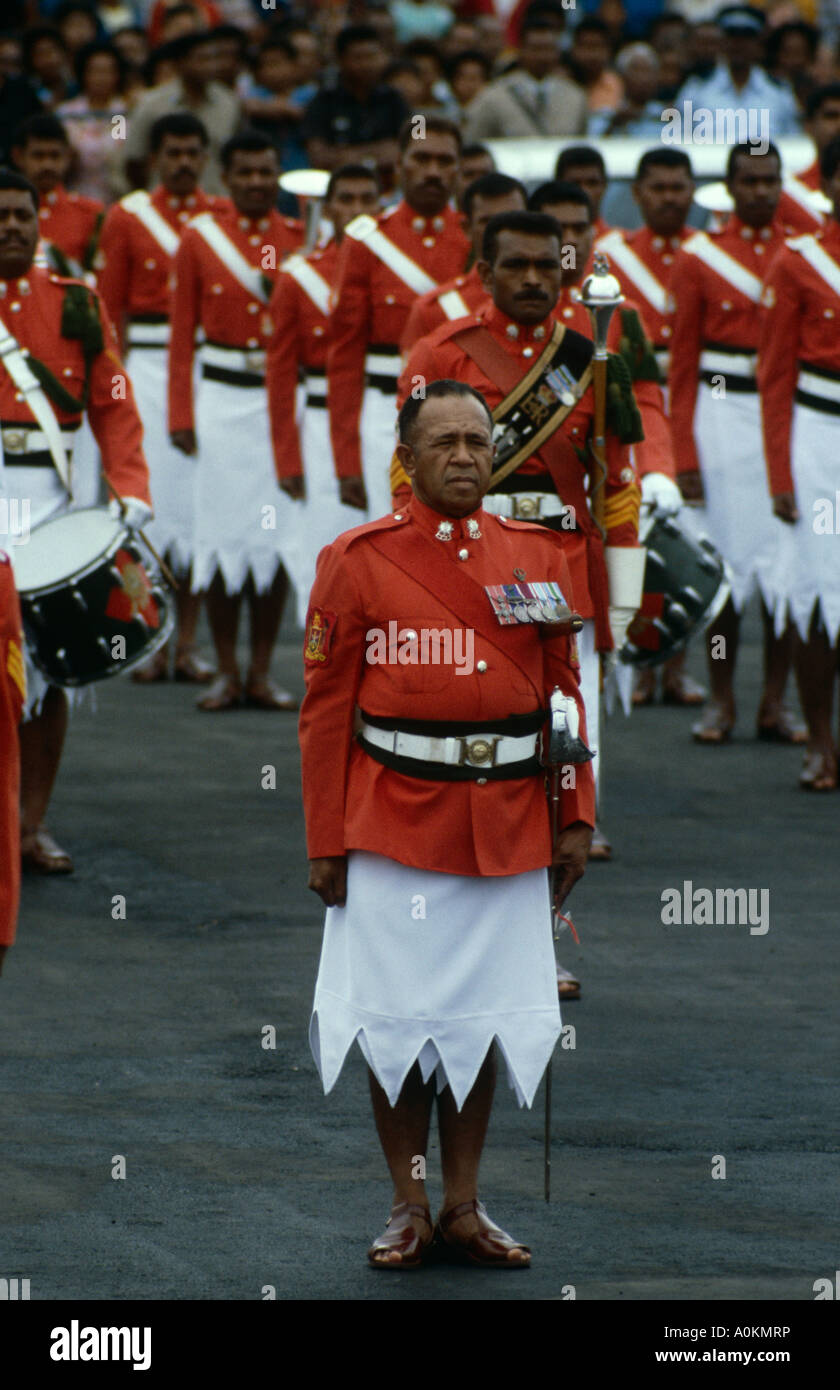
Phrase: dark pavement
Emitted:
{"points": [[143, 1037]]}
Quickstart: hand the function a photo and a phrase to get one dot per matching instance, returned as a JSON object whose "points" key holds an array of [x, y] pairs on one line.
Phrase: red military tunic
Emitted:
{"points": [[371, 308], [71, 222], [712, 312], [657, 255], [653, 454], [353, 802], [440, 356], [427, 312], [31, 308], [12, 695], [135, 270], [207, 295], [299, 341], [799, 320], [795, 208]]}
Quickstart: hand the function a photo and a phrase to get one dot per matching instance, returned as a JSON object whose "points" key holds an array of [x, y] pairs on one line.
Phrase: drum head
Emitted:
{"points": [[64, 547]]}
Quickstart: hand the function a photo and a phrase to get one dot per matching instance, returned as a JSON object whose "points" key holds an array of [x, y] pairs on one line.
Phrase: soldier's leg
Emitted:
{"points": [[266, 614], [41, 745], [223, 616], [773, 718], [403, 1131], [721, 651], [815, 662]]}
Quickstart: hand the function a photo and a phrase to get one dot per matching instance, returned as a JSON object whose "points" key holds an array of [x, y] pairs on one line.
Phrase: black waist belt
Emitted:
{"points": [[230, 377], [806, 398], [746, 385], [386, 384], [149, 318], [43, 459], [316, 402]]}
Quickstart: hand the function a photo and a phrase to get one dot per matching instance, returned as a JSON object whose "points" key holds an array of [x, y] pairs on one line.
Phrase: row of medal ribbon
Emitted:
{"points": [[542, 602]]}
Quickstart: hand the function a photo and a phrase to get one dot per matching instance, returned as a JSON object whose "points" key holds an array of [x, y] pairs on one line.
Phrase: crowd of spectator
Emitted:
{"points": [[331, 82]]}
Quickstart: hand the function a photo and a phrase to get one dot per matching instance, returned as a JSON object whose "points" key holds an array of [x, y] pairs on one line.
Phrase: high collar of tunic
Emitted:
{"points": [[535, 333], [464, 528]]}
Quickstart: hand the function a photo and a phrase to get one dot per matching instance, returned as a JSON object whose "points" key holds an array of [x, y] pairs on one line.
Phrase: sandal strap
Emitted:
{"points": [[448, 1217]]}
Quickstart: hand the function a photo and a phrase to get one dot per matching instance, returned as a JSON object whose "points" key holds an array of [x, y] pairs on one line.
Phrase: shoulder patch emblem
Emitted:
{"points": [[319, 635]]}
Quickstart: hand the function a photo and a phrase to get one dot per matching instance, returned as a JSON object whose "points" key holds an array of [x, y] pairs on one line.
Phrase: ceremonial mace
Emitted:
{"points": [[309, 186], [601, 295]]}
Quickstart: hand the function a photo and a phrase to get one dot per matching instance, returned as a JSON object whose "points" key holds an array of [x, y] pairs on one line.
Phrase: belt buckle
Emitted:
{"points": [[479, 752], [15, 440], [255, 361], [525, 508]]}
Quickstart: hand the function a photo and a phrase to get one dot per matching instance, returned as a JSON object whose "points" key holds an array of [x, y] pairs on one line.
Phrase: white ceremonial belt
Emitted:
{"points": [[316, 385], [147, 334], [739, 363], [816, 386], [663, 360], [524, 506], [383, 364], [20, 440], [472, 750], [233, 359]]}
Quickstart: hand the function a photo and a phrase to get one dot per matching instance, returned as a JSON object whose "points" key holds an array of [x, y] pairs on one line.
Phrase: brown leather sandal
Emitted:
{"points": [[489, 1247], [400, 1237]]}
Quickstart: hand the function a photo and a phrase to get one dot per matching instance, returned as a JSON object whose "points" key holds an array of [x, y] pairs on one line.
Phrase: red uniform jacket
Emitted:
{"points": [[427, 314], [206, 295], [657, 255], [440, 356], [351, 801], [800, 318], [371, 307], [12, 695], [31, 308], [299, 342], [135, 271], [71, 223], [794, 209], [711, 310]]}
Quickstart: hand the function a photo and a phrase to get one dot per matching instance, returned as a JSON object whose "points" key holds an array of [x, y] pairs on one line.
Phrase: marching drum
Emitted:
{"points": [[93, 601], [686, 585]]}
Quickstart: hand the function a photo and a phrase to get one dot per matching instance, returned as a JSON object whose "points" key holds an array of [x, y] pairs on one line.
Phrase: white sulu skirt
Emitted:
{"points": [[739, 510], [430, 967], [809, 551], [171, 473], [378, 435], [323, 515]]}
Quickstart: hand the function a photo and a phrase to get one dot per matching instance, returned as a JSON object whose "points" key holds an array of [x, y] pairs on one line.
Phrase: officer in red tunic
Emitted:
{"points": [[522, 269], [644, 262], [225, 269], [61, 324], [299, 310], [799, 380], [68, 221], [481, 200], [822, 121], [383, 266], [427, 830], [139, 240], [716, 429], [12, 696]]}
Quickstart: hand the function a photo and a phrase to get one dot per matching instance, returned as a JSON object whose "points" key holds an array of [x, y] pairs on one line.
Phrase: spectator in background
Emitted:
{"points": [[195, 89], [269, 100], [133, 47], [469, 74], [88, 120], [640, 112], [115, 14], [406, 78], [46, 62], [791, 51], [584, 165], [310, 57], [533, 99], [476, 160], [462, 37], [738, 82], [589, 64], [420, 19], [206, 15], [18, 102], [78, 25], [231, 55], [427, 58], [491, 37], [11, 57], [355, 118]]}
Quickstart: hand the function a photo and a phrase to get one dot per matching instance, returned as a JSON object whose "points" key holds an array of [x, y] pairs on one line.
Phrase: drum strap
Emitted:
{"points": [[15, 363], [248, 276], [314, 286]]}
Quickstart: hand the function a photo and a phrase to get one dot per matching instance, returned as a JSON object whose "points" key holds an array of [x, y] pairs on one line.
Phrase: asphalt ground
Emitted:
{"points": [[143, 1037]]}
